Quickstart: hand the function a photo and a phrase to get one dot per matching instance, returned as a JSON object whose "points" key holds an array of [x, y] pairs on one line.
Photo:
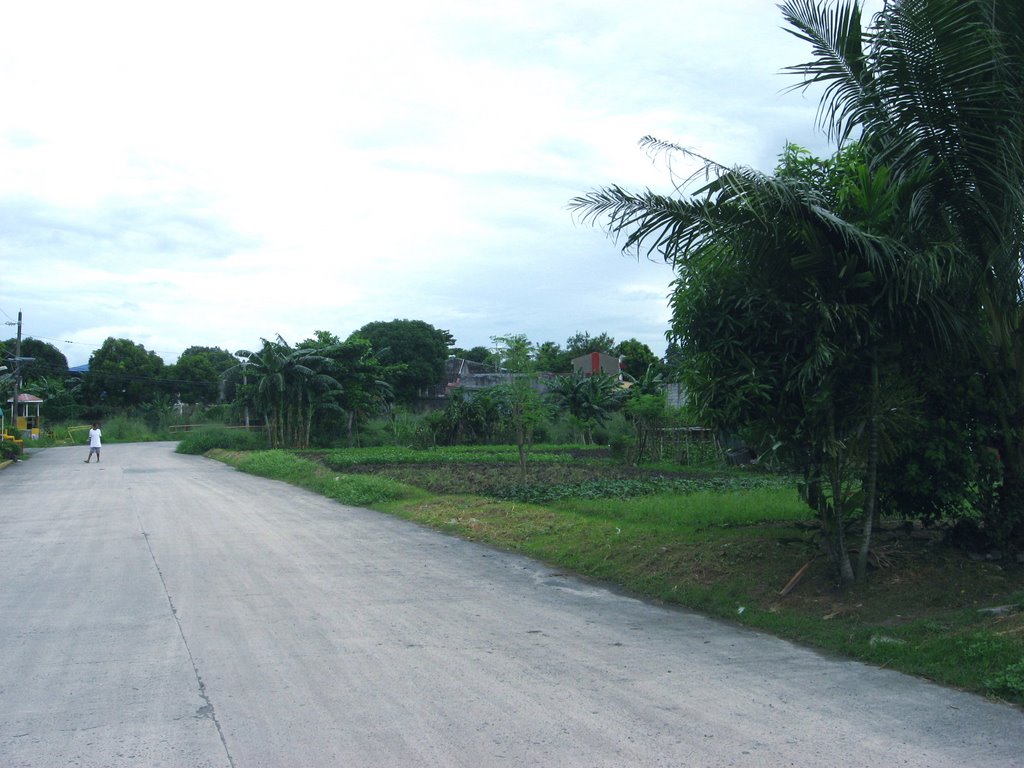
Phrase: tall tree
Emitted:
{"points": [[787, 290], [582, 343], [933, 202], [522, 409], [475, 354], [362, 385], [935, 89], [514, 352], [122, 374], [673, 360], [47, 361], [414, 351], [636, 357], [551, 358], [646, 407], [198, 374]]}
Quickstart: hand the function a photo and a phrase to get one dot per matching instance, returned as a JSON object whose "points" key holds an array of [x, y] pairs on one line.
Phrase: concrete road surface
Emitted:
{"points": [[166, 610]]}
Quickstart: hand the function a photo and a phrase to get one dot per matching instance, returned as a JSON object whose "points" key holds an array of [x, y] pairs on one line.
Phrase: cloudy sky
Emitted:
{"points": [[210, 173]]}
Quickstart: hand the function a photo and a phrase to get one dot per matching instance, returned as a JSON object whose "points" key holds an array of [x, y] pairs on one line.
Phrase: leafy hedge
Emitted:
{"points": [[9, 450], [200, 441]]}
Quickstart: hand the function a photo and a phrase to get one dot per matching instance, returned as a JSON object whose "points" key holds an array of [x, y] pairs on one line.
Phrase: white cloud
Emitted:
{"points": [[210, 173]]}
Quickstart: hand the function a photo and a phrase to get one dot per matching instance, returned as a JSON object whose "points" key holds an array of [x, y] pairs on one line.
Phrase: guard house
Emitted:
{"points": [[26, 417], [597, 362]]}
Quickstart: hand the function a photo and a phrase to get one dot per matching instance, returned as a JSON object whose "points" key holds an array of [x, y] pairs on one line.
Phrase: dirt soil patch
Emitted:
{"points": [[488, 479]]}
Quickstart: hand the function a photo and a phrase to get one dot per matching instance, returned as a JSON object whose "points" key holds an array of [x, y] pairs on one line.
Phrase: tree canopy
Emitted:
{"points": [[476, 354], [121, 374], [795, 289], [935, 89], [198, 375], [363, 389], [47, 361], [414, 351], [636, 357], [553, 358], [514, 353]]}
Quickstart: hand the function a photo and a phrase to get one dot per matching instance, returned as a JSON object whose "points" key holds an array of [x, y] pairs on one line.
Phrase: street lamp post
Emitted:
{"points": [[245, 381]]}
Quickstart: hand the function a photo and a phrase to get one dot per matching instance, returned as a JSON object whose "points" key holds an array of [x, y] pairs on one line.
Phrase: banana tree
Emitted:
{"points": [[287, 387], [589, 400]]}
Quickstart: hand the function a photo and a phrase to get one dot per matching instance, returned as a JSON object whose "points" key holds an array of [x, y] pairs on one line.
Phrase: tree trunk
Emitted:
{"points": [[835, 464], [871, 481], [843, 554]]}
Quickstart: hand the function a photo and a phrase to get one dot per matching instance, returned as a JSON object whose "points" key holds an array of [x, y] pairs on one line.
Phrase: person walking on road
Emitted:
{"points": [[95, 437]]}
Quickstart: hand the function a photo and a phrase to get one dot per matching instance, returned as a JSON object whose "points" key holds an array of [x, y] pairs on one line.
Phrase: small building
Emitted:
{"points": [[467, 373], [26, 417], [471, 376], [597, 362]]}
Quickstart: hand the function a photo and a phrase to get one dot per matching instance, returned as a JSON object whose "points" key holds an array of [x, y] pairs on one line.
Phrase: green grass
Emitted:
{"points": [[492, 454], [199, 441], [123, 429], [116, 429], [698, 510], [357, 490], [723, 543]]}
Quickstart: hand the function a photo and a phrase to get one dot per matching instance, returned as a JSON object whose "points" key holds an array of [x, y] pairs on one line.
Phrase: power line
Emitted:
{"points": [[95, 346]]}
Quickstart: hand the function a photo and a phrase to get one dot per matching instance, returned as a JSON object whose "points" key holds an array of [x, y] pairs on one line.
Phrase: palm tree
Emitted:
{"points": [[788, 286], [590, 400], [935, 89], [289, 385]]}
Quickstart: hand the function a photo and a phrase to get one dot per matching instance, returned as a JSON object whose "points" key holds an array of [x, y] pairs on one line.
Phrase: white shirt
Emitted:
{"points": [[94, 438]]}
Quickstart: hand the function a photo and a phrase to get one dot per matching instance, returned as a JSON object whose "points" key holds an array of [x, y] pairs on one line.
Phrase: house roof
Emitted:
{"points": [[25, 397]]}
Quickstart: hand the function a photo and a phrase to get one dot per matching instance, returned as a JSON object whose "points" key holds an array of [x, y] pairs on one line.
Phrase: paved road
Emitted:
{"points": [[165, 610]]}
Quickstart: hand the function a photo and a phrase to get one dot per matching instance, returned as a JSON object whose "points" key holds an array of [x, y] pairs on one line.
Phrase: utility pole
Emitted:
{"points": [[17, 375]]}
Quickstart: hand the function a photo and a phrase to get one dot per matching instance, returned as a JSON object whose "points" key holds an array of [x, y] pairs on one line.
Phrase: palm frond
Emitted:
{"points": [[838, 42]]}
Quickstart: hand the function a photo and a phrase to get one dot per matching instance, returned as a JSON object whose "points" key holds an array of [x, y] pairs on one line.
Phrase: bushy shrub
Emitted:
{"points": [[623, 447], [396, 429], [9, 450], [200, 441], [946, 468], [125, 429], [561, 432], [402, 427], [1009, 682], [218, 414]]}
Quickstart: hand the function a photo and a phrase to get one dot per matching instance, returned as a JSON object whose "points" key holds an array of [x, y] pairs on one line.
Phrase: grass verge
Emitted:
{"points": [[718, 543], [357, 490]]}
